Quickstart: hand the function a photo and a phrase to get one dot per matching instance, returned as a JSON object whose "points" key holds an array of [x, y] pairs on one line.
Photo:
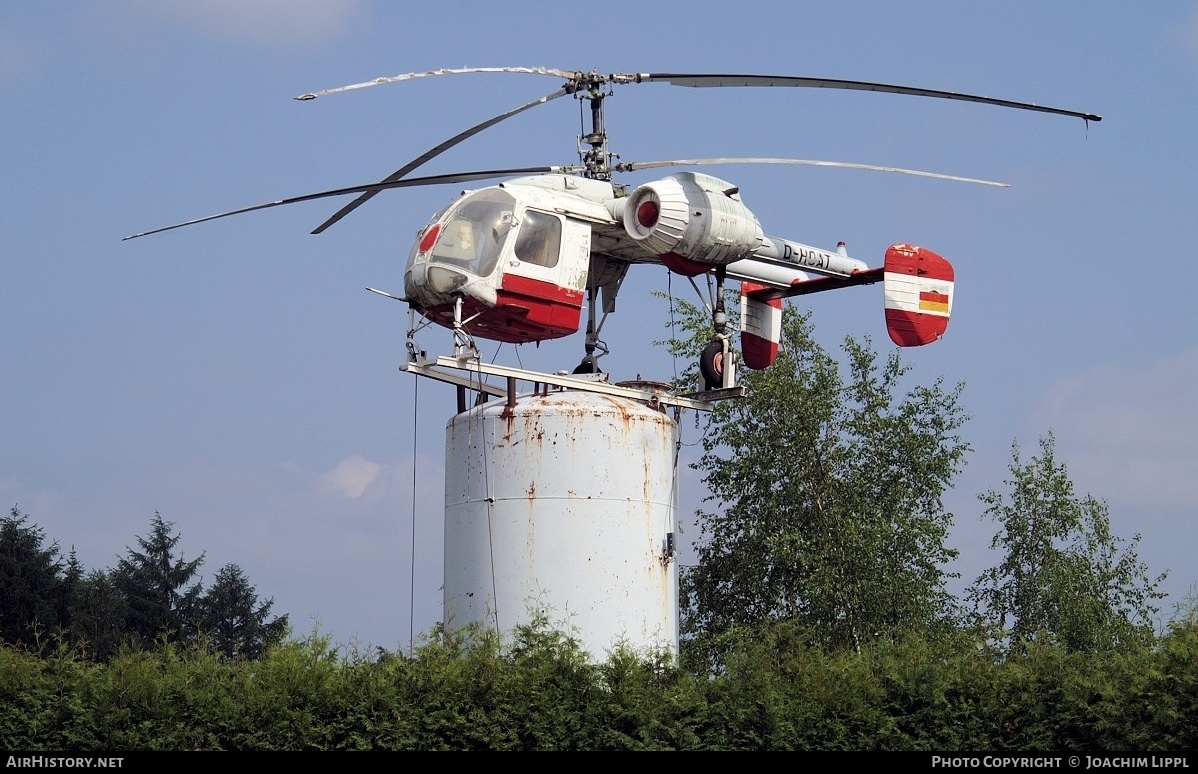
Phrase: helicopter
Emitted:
{"points": [[518, 261]]}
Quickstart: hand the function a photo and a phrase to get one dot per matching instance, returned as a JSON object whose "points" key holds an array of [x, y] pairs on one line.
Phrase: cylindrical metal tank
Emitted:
{"points": [[564, 505]]}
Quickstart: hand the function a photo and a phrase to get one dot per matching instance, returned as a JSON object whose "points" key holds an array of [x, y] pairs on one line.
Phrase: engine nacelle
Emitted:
{"points": [[692, 222]]}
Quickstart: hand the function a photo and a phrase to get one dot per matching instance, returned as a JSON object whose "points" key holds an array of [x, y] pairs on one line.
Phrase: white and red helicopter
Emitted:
{"points": [[519, 261]]}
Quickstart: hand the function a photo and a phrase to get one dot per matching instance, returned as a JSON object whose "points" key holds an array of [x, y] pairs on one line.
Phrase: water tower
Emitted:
{"points": [[563, 501]]}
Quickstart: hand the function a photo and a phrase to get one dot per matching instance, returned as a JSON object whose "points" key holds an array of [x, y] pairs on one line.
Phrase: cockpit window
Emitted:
{"points": [[475, 233], [540, 239]]}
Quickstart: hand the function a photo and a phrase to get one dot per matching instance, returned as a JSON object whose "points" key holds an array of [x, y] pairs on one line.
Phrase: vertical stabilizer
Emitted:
{"points": [[918, 286], [760, 327]]}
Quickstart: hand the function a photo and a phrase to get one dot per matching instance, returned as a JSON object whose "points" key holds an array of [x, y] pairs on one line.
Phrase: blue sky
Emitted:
{"points": [[237, 377]]}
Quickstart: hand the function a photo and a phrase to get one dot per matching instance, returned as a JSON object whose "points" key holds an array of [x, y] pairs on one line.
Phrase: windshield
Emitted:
{"points": [[474, 234]]}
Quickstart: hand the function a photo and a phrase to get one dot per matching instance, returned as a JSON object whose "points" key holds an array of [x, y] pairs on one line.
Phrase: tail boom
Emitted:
{"points": [[917, 286]]}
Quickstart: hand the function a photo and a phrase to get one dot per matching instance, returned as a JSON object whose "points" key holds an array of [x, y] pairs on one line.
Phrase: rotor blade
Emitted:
{"points": [[408, 183], [569, 75], [577, 80], [703, 81], [632, 166], [432, 153]]}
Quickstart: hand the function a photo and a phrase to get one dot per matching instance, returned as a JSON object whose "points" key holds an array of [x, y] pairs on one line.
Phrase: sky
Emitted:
{"points": [[237, 378]]}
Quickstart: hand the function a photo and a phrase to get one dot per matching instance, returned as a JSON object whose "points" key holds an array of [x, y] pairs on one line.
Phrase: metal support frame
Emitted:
{"points": [[443, 368]]}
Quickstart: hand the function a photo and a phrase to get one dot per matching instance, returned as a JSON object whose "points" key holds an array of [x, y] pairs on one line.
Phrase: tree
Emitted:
{"points": [[233, 620], [1063, 576], [97, 615], [154, 584], [31, 583], [829, 498]]}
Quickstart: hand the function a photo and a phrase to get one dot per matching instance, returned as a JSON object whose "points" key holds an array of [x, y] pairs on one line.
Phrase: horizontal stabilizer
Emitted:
{"points": [[802, 287]]}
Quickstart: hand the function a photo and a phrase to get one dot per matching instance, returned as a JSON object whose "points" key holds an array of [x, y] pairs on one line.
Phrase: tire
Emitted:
{"points": [[711, 365]]}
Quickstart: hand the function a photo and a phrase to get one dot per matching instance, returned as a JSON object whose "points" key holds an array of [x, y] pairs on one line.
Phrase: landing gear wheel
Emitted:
{"points": [[711, 365]]}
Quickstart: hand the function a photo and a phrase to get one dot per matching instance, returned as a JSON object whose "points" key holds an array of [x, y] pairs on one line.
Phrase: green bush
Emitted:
{"points": [[468, 690]]}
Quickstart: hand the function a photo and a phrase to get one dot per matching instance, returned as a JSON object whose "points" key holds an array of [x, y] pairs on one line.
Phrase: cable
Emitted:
{"points": [[412, 579]]}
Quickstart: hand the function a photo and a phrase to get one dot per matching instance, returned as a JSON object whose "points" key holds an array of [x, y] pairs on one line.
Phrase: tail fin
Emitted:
{"points": [[760, 327], [918, 286]]}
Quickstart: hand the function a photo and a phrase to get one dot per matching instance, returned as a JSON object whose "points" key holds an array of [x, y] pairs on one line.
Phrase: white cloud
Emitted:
{"points": [[351, 477], [1126, 432]]}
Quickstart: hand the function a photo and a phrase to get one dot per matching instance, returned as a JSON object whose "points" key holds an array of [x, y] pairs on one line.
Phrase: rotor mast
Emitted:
{"points": [[596, 159]]}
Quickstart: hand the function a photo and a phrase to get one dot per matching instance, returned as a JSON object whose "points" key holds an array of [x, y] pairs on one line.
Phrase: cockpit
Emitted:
{"points": [[504, 264], [464, 245]]}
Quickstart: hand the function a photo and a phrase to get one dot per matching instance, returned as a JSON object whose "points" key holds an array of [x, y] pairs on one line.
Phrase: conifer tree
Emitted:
{"points": [[97, 615], [234, 621], [31, 583], [154, 583]]}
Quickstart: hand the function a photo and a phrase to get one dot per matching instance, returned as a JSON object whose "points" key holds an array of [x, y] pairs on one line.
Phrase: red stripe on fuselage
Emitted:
{"points": [[526, 309]]}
